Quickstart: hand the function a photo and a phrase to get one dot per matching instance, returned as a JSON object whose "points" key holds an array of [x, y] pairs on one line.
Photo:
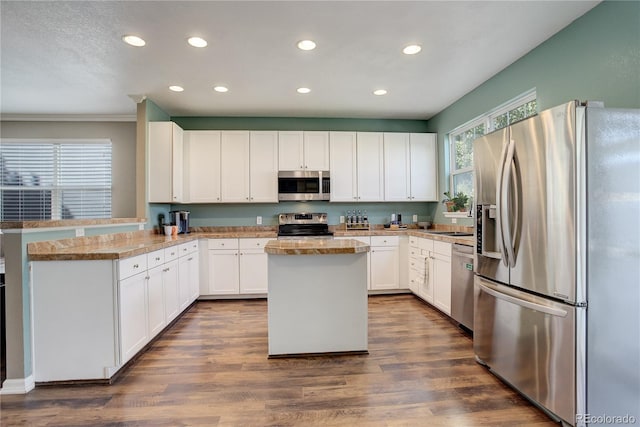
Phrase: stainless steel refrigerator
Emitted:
{"points": [[557, 261]]}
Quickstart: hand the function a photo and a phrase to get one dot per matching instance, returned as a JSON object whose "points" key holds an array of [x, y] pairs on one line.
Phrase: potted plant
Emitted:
{"points": [[457, 203]]}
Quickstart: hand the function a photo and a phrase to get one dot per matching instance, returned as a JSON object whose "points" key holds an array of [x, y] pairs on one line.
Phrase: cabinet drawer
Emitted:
{"points": [[443, 248], [223, 243], [413, 241], [155, 258], [127, 267], [171, 253], [253, 243], [188, 248], [384, 241]]}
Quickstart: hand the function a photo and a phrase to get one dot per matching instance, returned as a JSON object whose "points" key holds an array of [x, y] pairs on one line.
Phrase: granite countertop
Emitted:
{"points": [[412, 231], [6, 225], [124, 245], [315, 247]]}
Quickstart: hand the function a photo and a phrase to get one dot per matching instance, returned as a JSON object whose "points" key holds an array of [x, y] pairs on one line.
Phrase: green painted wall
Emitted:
{"points": [[300, 123], [245, 214], [597, 57]]}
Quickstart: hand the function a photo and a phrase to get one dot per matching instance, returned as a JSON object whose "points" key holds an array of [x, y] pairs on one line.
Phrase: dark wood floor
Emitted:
{"points": [[211, 369]]}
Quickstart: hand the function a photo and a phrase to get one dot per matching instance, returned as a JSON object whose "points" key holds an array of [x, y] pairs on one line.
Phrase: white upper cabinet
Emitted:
{"points": [[424, 167], [316, 151], [342, 155], [202, 166], [234, 166], [397, 174], [370, 165], [165, 162], [263, 167], [298, 150], [410, 167], [356, 166]]}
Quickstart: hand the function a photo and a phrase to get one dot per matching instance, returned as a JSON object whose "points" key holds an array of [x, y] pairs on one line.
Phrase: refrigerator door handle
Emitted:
{"points": [[499, 204], [505, 189], [522, 301]]}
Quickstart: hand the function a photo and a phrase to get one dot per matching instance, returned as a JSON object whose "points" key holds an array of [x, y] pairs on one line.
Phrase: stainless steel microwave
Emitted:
{"points": [[304, 185]]}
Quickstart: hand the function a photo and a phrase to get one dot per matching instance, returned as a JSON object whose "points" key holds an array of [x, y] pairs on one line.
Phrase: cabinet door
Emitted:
{"points": [[426, 284], [370, 167], [223, 272], [184, 283], [442, 282], [160, 162], [234, 167], [171, 293], [342, 155], [155, 294], [397, 175], [177, 166], [424, 167], [253, 271], [133, 315], [384, 267], [202, 166], [316, 151], [263, 167], [290, 151], [194, 276]]}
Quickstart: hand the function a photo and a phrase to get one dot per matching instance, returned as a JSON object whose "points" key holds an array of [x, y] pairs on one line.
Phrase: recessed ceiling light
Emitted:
{"points": [[412, 49], [176, 88], [221, 89], [197, 42], [303, 90], [379, 92], [133, 40], [306, 45]]}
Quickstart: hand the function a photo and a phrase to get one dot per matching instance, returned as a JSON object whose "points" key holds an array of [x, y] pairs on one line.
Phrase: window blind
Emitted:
{"points": [[48, 179]]}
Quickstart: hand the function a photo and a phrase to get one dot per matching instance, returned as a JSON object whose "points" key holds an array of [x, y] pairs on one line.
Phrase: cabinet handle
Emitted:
{"points": [[190, 259], [301, 167], [257, 244], [157, 258], [136, 266], [221, 244], [147, 278], [246, 198], [217, 198]]}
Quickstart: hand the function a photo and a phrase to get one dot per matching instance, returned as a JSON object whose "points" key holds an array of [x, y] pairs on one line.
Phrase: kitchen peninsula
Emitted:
{"points": [[317, 297]]}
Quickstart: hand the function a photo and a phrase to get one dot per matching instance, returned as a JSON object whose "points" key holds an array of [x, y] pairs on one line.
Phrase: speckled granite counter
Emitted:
{"points": [[428, 234], [315, 247], [69, 223], [124, 245]]}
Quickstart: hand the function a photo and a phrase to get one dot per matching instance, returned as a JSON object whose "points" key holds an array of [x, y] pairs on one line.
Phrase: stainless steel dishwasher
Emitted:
{"points": [[462, 285]]}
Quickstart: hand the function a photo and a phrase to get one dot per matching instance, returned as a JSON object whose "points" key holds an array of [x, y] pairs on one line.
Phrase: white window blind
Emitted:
{"points": [[55, 179]]}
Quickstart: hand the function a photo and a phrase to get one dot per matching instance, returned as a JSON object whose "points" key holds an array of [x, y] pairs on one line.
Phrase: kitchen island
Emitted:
{"points": [[317, 299]]}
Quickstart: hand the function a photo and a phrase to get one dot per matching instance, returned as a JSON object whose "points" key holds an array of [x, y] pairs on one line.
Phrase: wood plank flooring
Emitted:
{"points": [[211, 369]]}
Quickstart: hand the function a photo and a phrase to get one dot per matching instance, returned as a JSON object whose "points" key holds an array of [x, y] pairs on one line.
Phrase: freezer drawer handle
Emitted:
{"points": [[524, 303]]}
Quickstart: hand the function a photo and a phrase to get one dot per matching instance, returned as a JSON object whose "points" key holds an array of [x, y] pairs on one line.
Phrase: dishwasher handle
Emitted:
{"points": [[462, 251]]}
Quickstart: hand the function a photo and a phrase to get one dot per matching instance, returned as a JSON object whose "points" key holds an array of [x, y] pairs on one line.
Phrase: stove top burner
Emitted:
{"points": [[303, 225]]}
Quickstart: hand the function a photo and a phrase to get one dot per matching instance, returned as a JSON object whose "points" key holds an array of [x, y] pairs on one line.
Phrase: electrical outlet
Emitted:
{"points": [[341, 219], [259, 220], [140, 227], [415, 218], [79, 232], [454, 220]]}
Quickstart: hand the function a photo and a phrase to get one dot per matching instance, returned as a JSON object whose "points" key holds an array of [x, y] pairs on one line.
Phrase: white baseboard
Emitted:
{"points": [[18, 386]]}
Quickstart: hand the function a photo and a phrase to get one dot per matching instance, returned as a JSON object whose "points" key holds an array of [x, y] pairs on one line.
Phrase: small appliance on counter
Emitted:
{"points": [[181, 220]]}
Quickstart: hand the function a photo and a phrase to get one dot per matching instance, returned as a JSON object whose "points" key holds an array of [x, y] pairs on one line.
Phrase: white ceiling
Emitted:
{"points": [[63, 57]]}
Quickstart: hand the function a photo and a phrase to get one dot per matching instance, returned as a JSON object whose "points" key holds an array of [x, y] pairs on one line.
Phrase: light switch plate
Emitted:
{"points": [[259, 220], [341, 219], [415, 218]]}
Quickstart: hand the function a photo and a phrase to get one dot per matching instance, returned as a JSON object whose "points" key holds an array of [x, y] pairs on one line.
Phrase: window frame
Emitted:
{"points": [[57, 188], [488, 120]]}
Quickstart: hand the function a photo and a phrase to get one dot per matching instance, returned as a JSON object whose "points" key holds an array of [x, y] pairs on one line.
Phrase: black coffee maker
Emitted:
{"points": [[181, 220]]}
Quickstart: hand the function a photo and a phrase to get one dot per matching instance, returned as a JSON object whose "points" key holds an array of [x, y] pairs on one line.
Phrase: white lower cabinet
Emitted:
{"points": [[430, 271], [155, 293], [171, 294], [133, 315], [442, 276], [237, 266], [188, 266], [385, 252]]}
